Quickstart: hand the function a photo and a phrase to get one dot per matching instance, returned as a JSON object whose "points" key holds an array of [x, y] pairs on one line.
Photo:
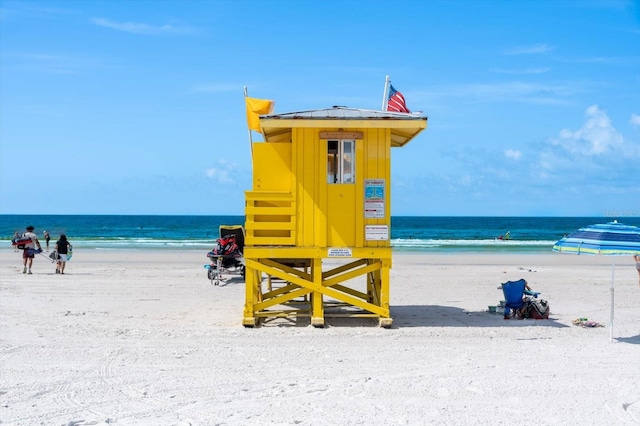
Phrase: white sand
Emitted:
{"points": [[143, 338]]}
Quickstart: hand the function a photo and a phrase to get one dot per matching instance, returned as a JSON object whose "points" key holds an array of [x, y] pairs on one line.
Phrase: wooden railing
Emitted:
{"points": [[270, 218]]}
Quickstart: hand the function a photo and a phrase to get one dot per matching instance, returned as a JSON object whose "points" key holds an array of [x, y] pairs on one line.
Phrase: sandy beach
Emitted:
{"points": [[143, 338]]}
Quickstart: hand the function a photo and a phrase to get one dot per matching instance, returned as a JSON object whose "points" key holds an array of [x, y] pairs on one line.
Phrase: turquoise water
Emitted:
{"points": [[408, 234]]}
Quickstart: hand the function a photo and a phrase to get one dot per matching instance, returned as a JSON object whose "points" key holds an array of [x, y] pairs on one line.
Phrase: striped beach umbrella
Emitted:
{"points": [[607, 239]]}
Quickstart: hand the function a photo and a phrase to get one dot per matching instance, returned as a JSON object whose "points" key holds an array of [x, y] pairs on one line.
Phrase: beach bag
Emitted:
{"points": [[54, 256], [21, 242], [538, 309]]}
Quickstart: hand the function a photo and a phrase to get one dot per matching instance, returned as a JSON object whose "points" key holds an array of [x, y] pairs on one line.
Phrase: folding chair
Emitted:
{"points": [[516, 296]]}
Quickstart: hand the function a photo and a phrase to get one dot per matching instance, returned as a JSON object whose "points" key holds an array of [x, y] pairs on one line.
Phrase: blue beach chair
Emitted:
{"points": [[516, 296]]}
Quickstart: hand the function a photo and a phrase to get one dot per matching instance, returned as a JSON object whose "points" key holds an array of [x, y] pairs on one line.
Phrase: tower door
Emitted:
{"points": [[341, 193]]}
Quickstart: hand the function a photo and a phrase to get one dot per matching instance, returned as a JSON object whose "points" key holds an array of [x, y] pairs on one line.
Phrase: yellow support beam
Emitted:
{"points": [[319, 285], [317, 308]]}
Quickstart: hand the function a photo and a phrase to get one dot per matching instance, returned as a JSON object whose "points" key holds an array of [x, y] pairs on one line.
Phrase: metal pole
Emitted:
{"points": [[613, 267], [386, 92], [248, 129]]}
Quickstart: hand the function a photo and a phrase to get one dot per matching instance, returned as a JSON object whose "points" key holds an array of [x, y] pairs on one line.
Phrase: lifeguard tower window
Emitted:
{"points": [[340, 161]]}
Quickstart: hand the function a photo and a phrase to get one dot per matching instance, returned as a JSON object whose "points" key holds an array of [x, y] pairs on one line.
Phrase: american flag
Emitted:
{"points": [[395, 101]]}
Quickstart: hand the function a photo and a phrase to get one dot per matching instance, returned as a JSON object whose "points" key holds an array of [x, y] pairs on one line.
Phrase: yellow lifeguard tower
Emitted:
{"points": [[318, 216]]}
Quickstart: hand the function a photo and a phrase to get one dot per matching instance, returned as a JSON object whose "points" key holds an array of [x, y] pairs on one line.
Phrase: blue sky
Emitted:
{"points": [[113, 107]]}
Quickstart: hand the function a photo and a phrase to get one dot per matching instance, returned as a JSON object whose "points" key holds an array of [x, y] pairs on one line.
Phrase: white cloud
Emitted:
{"points": [[222, 172], [593, 159], [513, 154], [596, 136], [527, 50], [145, 29], [219, 175], [635, 120]]}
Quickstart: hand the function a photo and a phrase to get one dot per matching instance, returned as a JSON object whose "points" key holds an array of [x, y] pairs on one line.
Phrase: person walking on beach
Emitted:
{"points": [[636, 257], [47, 237], [63, 247], [29, 249]]}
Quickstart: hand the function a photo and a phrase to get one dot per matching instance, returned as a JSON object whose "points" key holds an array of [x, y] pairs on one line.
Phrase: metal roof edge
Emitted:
{"points": [[344, 113]]}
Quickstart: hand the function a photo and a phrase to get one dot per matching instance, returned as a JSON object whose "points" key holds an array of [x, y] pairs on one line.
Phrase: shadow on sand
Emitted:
{"points": [[229, 280], [634, 340], [449, 316], [419, 316]]}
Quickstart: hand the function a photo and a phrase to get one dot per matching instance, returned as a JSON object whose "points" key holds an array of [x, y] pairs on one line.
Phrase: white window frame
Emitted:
{"points": [[341, 154]]}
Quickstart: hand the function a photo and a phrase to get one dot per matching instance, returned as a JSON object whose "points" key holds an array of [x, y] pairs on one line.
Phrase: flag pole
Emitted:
{"points": [[385, 99], [248, 130]]}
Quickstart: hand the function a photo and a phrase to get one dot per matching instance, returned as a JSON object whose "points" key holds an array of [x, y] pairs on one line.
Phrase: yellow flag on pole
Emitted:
{"points": [[256, 107]]}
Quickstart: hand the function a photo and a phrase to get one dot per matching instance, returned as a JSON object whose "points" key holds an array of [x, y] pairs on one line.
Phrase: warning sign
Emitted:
{"points": [[376, 232], [374, 198], [339, 252]]}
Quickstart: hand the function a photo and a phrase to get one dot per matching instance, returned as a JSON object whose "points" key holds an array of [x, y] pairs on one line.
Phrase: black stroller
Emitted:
{"points": [[227, 255]]}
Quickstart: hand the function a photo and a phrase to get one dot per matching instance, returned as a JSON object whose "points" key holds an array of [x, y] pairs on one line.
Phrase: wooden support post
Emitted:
{"points": [[317, 309], [386, 320], [252, 296]]}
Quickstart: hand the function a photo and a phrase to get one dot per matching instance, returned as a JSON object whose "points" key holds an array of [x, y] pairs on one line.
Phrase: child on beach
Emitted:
{"points": [[63, 247], [636, 257]]}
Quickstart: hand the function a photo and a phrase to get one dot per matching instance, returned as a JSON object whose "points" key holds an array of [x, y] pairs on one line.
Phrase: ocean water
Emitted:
{"points": [[408, 233]]}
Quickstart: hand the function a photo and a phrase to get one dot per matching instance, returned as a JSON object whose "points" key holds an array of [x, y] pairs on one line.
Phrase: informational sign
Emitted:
{"points": [[339, 252], [376, 232], [374, 199]]}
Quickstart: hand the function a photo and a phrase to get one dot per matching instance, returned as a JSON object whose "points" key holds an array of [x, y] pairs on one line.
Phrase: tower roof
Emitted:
{"points": [[404, 127]]}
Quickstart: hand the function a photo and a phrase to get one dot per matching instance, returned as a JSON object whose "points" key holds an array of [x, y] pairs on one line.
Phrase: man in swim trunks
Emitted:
{"points": [[28, 255]]}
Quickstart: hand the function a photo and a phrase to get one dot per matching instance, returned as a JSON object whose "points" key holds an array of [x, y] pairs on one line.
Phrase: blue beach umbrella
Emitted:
{"points": [[607, 239]]}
